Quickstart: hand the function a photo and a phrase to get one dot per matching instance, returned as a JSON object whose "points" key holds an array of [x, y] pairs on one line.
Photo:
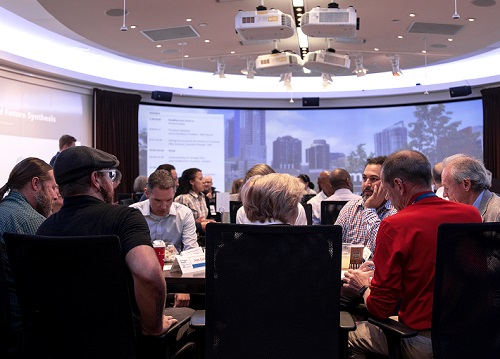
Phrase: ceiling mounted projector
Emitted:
{"points": [[331, 22], [326, 61], [278, 63], [264, 24]]}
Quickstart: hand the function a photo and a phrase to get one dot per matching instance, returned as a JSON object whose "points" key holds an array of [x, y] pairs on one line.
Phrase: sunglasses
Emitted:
{"points": [[111, 173]]}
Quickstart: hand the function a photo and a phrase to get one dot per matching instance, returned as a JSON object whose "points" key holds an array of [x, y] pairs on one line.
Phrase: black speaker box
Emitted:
{"points": [[310, 101], [161, 96], [460, 91]]}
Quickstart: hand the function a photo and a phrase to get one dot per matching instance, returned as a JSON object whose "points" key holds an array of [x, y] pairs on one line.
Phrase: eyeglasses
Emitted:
{"points": [[111, 173]]}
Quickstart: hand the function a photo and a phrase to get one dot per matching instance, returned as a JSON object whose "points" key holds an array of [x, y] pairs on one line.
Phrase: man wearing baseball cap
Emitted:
{"points": [[85, 177]]}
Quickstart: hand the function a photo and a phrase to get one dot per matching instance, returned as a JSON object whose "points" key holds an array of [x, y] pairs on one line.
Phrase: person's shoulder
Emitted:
{"points": [[141, 205], [179, 208]]}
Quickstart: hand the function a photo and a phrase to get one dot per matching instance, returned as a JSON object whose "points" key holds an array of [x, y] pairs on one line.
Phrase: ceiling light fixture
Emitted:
{"points": [[250, 69], [221, 66], [425, 66], [360, 70], [396, 71], [286, 78], [455, 15], [124, 27]]}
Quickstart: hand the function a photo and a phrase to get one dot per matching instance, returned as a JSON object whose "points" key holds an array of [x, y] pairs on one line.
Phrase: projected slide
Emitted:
{"points": [[186, 139]]}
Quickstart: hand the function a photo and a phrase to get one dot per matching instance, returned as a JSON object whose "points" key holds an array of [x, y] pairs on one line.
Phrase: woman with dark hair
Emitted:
{"points": [[190, 194], [308, 185]]}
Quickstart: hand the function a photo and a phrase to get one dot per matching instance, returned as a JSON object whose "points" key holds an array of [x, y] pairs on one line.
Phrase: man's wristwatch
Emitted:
{"points": [[362, 290]]}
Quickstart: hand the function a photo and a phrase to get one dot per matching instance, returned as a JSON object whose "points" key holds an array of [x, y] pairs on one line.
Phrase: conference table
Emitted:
{"points": [[178, 282]]}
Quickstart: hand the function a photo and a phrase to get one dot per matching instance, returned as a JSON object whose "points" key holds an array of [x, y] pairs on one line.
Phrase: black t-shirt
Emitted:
{"points": [[87, 215]]}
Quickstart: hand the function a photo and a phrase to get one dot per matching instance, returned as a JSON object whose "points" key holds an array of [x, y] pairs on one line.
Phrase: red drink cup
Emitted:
{"points": [[159, 247]]}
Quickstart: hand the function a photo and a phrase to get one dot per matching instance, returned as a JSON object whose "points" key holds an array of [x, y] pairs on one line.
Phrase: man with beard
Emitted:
{"points": [[361, 218], [85, 177], [32, 192]]}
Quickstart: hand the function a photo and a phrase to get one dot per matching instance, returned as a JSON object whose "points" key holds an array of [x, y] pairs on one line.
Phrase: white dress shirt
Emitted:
{"points": [[177, 228], [315, 203]]}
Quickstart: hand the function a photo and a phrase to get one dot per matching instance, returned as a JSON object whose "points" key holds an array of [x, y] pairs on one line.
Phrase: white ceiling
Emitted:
{"points": [[381, 22]]}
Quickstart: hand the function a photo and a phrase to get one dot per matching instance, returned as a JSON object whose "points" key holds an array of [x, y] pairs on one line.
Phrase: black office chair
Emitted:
{"points": [[273, 292], [233, 209], [330, 211], [306, 198], [74, 298], [126, 201], [466, 305], [309, 213]]}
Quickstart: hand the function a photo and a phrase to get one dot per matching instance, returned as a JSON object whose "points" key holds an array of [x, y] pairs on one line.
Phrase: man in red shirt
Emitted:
{"points": [[405, 256]]}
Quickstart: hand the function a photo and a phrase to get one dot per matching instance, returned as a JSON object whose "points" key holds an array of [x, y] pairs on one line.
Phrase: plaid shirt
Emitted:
{"points": [[360, 224], [16, 216], [196, 202]]}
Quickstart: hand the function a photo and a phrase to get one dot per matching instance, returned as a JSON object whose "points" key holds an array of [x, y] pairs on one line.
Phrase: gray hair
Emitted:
{"points": [[464, 167]]}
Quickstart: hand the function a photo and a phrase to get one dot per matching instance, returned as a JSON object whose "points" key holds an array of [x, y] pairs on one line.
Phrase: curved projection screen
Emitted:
{"points": [[225, 143], [32, 118]]}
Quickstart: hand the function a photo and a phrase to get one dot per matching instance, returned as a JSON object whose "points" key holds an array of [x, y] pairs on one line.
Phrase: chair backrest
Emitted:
{"points": [[126, 201], [330, 211], [309, 213], [73, 296], [306, 198], [466, 307], [272, 291], [233, 209]]}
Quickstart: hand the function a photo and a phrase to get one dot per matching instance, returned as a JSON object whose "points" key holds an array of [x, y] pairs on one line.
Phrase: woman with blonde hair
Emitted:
{"points": [[272, 199]]}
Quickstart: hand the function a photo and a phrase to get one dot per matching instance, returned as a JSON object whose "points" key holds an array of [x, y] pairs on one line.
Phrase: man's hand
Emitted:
{"points": [[355, 279], [203, 221], [181, 299], [168, 321], [377, 198], [367, 266]]}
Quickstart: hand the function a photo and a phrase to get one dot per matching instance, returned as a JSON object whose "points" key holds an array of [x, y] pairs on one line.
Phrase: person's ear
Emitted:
{"points": [[36, 183], [95, 180], [467, 184]]}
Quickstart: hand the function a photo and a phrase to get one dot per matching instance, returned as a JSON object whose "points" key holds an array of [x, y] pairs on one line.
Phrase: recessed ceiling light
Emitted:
{"points": [[413, 14], [450, 39], [376, 49], [203, 24], [133, 26], [471, 19], [186, 55], [400, 36], [207, 40], [189, 20], [424, 51], [158, 45], [233, 52]]}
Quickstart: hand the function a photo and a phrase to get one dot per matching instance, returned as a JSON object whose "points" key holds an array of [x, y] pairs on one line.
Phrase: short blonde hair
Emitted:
{"points": [[274, 196]]}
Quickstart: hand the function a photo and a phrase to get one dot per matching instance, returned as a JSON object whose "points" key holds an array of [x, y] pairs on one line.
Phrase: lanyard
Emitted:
{"points": [[424, 195]]}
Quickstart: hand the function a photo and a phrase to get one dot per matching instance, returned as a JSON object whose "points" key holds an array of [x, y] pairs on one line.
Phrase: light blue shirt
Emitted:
{"points": [[478, 200], [177, 228]]}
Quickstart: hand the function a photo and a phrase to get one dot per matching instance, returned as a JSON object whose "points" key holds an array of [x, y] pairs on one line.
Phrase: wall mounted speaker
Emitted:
{"points": [[161, 96], [310, 101], [460, 91]]}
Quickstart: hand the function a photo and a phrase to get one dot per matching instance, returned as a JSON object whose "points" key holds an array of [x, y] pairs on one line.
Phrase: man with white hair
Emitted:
{"points": [[466, 180]]}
